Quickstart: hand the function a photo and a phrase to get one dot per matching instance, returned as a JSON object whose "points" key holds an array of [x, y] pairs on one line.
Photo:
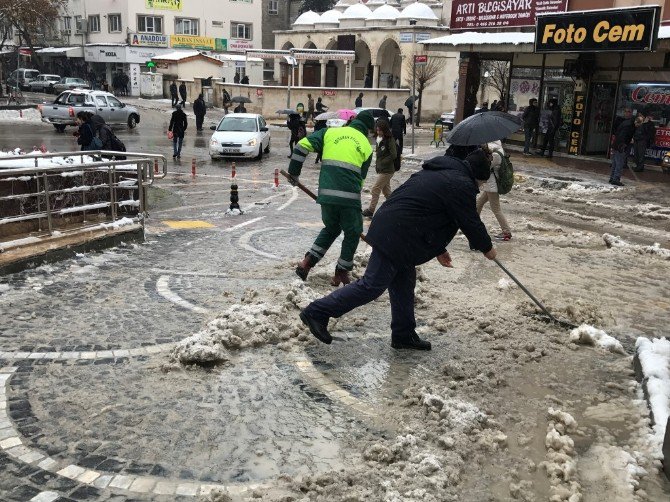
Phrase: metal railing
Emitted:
{"points": [[40, 197]]}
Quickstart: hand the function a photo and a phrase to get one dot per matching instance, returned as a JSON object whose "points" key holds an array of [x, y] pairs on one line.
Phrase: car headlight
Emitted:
{"points": [[666, 159], [252, 142]]}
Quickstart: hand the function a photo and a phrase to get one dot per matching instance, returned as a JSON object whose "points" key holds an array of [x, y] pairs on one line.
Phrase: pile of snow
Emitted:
{"points": [[16, 159], [506, 284], [234, 212], [588, 335], [654, 357], [29, 115], [561, 463], [614, 241]]}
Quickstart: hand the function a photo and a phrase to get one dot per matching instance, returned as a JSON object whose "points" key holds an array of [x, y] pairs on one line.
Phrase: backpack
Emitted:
{"points": [[505, 178], [115, 144]]}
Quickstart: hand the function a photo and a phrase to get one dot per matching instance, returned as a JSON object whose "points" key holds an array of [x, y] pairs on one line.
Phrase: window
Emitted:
{"points": [[273, 7], [113, 102], [149, 24], [240, 30], [101, 101], [94, 24], [66, 24], [114, 23], [186, 26], [78, 24]]}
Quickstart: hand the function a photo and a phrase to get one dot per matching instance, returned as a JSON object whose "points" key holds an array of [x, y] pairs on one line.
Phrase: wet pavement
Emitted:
{"points": [[89, 412]]}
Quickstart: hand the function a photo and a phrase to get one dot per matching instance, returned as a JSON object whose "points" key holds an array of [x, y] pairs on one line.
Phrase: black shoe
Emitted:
{"points": [[410, 342], [318, 328], [616, 183]]}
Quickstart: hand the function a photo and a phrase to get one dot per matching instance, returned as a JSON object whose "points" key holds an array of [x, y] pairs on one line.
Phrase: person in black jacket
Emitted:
{"points": [[178, 126], [413, 226], [182, 93], [398, 130], [173, 93], [555, 122], [199, 109], [623, 134], [644, 135], [531, 120], [85, 132], [358, 103]]}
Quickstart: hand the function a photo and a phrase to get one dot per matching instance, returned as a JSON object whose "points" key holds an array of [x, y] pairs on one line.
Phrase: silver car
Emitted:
{"points": [[62, 111], [69, 83], [44, 83]]}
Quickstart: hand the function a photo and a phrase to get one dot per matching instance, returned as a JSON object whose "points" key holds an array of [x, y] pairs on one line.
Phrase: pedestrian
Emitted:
{"points": [[359, 101], [320, 107], [644, 135], [318, 125], [531, 120], [398, 129], [178, 126], [293, 124], [554, 124], [409, 103], [494, 105], [623, 135], [240, 108], [107, 140], [413, 226], [382, 102], [389, 81], [236, 78], [173, 93], [85, 133], [385, 166], [245, 80], [182, 93], [489, 189], [199, 109], [310, 108], [347, 155], [125, 80], [368, 81], [484, 107], [226, 101], [396, 82]]}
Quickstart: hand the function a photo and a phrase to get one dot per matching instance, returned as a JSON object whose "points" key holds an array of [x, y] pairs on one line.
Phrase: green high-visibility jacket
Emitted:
{"points": [[346, 155]]}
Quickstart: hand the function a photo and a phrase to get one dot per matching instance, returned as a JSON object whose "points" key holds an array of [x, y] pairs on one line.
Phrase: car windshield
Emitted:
{"points": [[240, 124]]}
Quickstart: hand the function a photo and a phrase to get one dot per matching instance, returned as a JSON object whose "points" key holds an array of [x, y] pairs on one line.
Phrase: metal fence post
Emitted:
{"points": [[47, 201]]}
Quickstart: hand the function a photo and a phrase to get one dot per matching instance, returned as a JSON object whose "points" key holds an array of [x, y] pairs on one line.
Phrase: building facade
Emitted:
{"points": [[278, 15]]}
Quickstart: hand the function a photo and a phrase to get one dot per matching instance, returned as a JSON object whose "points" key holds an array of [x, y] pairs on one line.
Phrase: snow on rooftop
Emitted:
{"points": [[357, 11], [480, 38], [385, 12], [330, 16], [307, 18], [417, 10], [178, 55]]}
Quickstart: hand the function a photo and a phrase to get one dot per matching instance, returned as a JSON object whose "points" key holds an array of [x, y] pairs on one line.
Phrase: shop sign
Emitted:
{"points": [[420, 60], [329, 92], [420, 37], [620, 30], [239, 45], [221, 44], [651, 96], [478, 14], [259, 93], [164, 4], [135, 79], [662, 137], [406, 38], [192, 42], [577, 123], [148, 40], [103, 54]]}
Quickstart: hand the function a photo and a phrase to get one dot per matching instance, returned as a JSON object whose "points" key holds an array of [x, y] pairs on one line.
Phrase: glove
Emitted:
{"points": [[294, 180]]}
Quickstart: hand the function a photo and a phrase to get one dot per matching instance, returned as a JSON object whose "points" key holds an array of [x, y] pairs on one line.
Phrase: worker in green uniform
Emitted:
{"points": [[346, 155]]}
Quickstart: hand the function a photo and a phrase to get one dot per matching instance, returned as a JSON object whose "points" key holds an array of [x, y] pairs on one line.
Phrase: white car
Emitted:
{"points": [[240, 135]]}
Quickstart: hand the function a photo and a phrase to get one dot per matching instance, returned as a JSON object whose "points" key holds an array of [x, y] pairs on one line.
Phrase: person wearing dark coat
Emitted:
{"points": [[358, 103], [531, 121], [382, 102], [85, 132], [398, 129], [555, 122], [178, 126], [320, 107], [199, 109], [623, 134], [182, 93], [644, 135], [318, 125], [173, 94], [413, 226], [226, 101], [245, 80], [236, 78]]}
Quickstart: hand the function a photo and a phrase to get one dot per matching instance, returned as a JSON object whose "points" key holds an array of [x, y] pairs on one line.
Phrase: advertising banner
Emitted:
{"points": [[148, 40], [238, 45], [481, 14], [651, 99], [192, 42], [164, 4], [577, 123], [620, 30]]}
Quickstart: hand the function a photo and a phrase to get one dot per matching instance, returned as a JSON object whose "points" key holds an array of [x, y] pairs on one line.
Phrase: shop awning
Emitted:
{"points": [[70, 52]]}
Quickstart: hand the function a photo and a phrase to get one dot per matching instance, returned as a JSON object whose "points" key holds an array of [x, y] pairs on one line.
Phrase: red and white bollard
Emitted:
{"points": [[43, 148], [155, 166], [276, 178], [233, 173], [193, 167], [20, 113]]}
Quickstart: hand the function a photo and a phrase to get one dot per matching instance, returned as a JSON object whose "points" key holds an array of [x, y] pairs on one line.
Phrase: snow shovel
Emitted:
{"points": [[565, 324], [308, 192]]}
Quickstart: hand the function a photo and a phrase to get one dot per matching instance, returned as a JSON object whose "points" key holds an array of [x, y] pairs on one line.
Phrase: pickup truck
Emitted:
{"points": [[62, 112]]}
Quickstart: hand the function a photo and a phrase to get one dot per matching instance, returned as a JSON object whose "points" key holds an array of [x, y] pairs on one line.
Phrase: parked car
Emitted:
{"points": [[447, 119], [44, 83], [62, 111], [69, 83], [240, 135], [21, 77], [665, 162]]}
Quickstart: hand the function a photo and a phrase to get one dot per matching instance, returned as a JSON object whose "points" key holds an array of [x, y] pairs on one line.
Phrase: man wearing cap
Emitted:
{"points": [[346, 155], [413, 226]]}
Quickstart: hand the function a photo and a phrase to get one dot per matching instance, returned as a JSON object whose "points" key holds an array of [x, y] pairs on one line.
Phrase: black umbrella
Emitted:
{"points": [[483, 127], [286, 111], [240, 99]]}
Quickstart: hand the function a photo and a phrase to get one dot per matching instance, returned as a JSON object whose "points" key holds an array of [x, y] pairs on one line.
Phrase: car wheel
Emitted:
{"points": [[132, 121], [59, 127], [267, 148], [260, 152]]}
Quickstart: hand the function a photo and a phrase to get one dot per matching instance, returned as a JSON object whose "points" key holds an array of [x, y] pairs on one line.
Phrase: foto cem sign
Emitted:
{"points": [[609, 30]]}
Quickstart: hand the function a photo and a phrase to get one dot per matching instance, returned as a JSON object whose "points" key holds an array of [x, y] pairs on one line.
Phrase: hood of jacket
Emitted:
{"points": [[360, 127], [447, 163]]}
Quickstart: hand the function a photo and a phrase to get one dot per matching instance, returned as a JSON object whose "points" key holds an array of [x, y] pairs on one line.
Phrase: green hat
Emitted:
{"points": [[367, 119]]}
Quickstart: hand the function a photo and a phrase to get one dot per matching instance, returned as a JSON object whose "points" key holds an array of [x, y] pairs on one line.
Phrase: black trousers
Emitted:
{"points": [[549, 142], [398, 143], [199, 119], [640, 150]]}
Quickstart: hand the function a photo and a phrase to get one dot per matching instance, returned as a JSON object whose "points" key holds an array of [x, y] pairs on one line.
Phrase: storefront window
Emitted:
{"points": [[524, 86], [649, 99]]}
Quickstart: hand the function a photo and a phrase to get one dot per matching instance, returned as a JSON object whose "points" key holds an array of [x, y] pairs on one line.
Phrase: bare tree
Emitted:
{"points": [[425, 75], [316, 5], [498, 75], [31, 19]]}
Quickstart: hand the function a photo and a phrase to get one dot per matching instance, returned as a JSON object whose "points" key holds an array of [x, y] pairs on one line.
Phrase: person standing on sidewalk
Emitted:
{"points": [[226, 101], [310, 108], [622, 138], [398, 129], [489, 189], [358, 103], [382, 102], [347, 155], [414, 225], [385, 166], [199, 109], [178, 126], [531, 120], [555, 122], [182, 93], [644, 135], [320, 107], [173, 93]]}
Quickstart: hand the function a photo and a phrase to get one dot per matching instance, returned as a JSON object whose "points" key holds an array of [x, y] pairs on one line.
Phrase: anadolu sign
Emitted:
{"points": [[620, 30]]}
